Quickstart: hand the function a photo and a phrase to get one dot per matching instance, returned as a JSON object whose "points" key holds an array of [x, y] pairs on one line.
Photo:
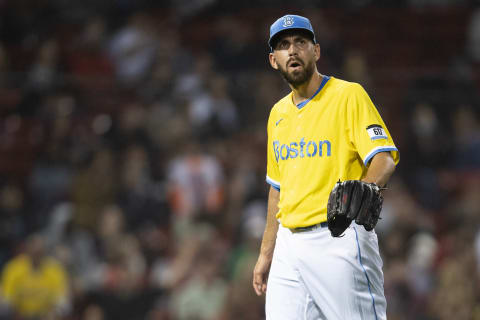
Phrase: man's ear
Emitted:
{"points": [[317, 52], [273, 61]]}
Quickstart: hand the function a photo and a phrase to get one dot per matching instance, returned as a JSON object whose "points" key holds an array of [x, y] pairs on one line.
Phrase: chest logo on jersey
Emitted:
{"points": [[375, 132], [302, 149]]}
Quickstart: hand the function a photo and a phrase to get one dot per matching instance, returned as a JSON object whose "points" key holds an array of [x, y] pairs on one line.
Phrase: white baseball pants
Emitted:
{"points": [[316, 276]]}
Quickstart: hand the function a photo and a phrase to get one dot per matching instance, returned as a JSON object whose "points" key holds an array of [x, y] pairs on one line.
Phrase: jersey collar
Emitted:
{"points": [[322, 84]]}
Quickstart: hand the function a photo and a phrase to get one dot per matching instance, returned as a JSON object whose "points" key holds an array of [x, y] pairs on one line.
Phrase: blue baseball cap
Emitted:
{"points": [[288, 22]]}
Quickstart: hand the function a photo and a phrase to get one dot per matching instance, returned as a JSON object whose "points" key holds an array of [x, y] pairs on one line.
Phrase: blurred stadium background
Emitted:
{"points": [[132, 152]]}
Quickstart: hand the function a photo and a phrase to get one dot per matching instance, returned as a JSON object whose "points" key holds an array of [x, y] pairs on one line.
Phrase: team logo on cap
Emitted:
{"points": [[287, 21]]}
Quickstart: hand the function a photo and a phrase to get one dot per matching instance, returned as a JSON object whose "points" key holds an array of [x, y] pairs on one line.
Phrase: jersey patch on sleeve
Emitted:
{"points": [[375, 131]]}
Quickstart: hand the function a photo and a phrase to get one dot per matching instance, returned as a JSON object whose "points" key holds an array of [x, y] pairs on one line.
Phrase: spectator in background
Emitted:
{"points": [[242, 303], [402, 219], [193, 83], [425, 132], [133, 49], [420, 268], [213, 113], [118, 281], [171, 61], [166, 134], [355, 68], [44, 73], [88, 59], [454, 296], [160, 82], [245, 188], [93, 188], [52, 174], [234, 47], [466, 137], [74, 247], [175, 267], [328, 31], [142, 199], [262, 86], [35, 285], [429, 141], [195, 183], [203, 293], [131, 127]]}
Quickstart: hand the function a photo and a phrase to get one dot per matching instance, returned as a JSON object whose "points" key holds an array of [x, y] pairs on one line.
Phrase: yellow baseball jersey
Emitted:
{"points": [[331, 136], [33, 292]]}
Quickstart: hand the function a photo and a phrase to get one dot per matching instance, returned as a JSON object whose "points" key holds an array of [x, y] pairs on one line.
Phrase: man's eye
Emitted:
{"points": [[283, 45]]}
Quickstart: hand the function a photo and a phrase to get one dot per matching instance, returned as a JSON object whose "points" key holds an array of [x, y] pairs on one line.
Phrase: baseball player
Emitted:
{"points": [[329, 155]]}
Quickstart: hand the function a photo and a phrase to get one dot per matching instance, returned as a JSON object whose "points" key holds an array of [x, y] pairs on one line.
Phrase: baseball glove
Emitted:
{"points": [[353, 200]]}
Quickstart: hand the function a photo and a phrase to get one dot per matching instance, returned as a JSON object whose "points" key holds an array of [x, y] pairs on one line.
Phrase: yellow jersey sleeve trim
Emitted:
{"points": [[273, 183], [376, 150]]}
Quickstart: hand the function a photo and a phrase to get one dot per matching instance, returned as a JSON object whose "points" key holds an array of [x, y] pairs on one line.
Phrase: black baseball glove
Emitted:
{"points": [[353, 200]]}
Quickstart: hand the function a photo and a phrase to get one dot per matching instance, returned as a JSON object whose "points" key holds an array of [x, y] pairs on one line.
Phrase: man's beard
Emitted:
{"points": [[297, 78]]}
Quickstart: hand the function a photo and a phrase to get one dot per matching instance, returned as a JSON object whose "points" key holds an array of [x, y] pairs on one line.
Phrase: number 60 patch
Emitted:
{"points": [[375, 131]]}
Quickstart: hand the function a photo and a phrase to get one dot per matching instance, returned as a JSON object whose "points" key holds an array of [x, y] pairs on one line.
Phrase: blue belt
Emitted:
{"points": [[310, 228]]}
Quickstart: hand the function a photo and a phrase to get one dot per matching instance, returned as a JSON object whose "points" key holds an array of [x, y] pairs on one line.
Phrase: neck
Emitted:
{"points": [[307, 89]]}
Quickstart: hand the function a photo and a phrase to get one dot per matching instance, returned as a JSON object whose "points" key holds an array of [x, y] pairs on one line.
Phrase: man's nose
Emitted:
{"points": [[292, 49]]}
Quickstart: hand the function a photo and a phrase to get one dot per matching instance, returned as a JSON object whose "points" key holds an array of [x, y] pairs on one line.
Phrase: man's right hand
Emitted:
{"points": [[260, 274], [262, 268]]}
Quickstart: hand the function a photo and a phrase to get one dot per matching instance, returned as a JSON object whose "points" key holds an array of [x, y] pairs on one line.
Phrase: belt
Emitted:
{"points": [[310, 228]]}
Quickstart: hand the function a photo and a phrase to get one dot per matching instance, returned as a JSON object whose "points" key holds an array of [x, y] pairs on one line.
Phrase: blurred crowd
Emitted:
{"points": [[133, 153]]}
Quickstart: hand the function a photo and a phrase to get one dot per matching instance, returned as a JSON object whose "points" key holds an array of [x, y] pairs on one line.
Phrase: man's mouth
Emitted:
{"points": [[294, 64]]}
